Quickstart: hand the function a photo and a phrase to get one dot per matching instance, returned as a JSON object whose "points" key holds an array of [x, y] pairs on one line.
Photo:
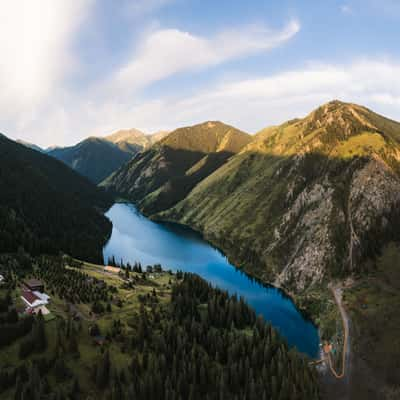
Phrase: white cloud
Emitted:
{"points": [[254, 103], [169, 51], [248, 104], [34, 47], [36, 104]]}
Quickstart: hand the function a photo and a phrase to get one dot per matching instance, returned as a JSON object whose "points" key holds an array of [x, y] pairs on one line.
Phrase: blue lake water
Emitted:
{"points": [[136, 238]]}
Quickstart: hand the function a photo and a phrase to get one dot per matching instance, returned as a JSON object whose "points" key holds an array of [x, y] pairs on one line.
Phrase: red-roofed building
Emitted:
{"points": [[34, 300]]}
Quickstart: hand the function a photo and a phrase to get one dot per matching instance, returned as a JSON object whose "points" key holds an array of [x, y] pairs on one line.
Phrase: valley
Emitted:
{"points": [[307, 209], [136, 239], [199, 200], [306, 203]]}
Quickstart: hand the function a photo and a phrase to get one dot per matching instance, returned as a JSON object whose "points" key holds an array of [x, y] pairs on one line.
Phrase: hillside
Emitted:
{"points": [[305, 201], [164, 174], [94, 158], [46, 207], [139, 335]]}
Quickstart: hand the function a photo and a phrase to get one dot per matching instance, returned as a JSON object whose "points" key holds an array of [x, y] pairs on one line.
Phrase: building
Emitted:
{"points": [[34, 285], [35, 301]]}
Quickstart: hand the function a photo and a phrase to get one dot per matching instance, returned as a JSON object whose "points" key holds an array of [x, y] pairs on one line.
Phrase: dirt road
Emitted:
{"points": [[337, 293]]}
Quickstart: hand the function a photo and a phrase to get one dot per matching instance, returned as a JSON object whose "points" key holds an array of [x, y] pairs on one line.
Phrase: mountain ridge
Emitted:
{"points": [[291, 203], [159, 177], [98, 157], [95, 158], [296, 173]]}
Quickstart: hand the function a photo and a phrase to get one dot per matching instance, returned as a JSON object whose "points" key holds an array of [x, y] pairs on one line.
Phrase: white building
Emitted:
{"points": [[36, 301]]}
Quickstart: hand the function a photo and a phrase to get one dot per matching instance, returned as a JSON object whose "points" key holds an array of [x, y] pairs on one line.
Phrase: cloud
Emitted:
{"points": [[37, 100], [35, 56], [248, 104], [169, 51], [254, 103], [38, 104]]}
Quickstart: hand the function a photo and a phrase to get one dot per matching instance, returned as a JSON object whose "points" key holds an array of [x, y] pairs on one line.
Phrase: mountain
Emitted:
{"points": [[134, 140], [94, 158], [130, 140], [165, 173], [300, 204], [31, 145], [305, 201], [157, 136], [46, 207]]}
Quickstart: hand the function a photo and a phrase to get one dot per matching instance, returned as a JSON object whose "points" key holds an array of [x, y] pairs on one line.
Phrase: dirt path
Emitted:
{"points": [[337, 293]]}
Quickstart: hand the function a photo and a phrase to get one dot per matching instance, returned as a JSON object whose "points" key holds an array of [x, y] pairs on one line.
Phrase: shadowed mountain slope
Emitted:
{"points": [[45, 207], [161, 176], [93, 158], [306, 200]]}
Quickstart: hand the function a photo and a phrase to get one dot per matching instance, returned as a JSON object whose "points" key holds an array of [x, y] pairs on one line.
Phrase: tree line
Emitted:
{"points": [[202, 344]]}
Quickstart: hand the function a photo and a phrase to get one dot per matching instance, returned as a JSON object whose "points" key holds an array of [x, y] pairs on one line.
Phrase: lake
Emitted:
{"points": [[136, 238]]}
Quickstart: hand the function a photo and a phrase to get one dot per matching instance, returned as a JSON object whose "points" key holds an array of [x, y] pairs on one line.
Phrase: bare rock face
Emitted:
{"points": [[312, 210], [373, 195], [305, 201]]}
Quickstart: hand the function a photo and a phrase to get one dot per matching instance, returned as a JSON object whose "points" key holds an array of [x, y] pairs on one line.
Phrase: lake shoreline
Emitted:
{"points": [[239, 267], [265, 298]]}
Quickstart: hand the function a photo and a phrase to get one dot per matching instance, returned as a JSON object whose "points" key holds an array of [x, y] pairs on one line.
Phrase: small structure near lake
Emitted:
{"points": [[34, 297], [34, 285], [35, 301]]}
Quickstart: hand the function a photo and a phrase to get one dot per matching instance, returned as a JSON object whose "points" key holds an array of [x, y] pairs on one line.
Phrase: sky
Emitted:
{"points": [[73, 69]]}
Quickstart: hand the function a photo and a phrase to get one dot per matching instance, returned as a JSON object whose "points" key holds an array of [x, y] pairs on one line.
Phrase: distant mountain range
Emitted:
{"points": [[46, 207], [97, 157], [94, 158]]}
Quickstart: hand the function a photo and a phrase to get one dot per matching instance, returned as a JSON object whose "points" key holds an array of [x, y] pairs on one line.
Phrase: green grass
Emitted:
{"points": [[89, 351], [360, 145]]}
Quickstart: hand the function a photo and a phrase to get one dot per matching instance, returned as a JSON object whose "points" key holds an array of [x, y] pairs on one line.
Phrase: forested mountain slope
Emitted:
{"points": [[164, 174], [306, 200], [94, 158], [164, 337], [46, 207]]}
